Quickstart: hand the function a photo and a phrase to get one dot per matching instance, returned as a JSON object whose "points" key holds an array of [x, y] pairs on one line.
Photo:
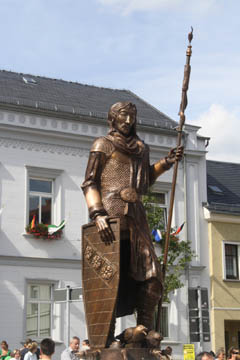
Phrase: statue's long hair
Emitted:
{"points": [[114, 111]]}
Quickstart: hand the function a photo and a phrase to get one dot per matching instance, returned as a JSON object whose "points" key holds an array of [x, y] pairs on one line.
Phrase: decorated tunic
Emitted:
{"points": [[122, 174]]}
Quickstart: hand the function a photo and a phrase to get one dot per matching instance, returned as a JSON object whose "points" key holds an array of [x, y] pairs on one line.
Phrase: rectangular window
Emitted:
{"points": [[39, 310], [40, 200], [231, 262], [156, 208], [164, 321], [43, 195]]}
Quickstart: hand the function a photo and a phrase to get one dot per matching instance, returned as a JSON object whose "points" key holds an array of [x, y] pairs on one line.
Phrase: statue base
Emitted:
{"points": [[120, 354]]}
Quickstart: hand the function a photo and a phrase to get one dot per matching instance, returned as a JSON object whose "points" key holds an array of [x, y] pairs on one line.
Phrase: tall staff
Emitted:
{"points": [[183, 105]]}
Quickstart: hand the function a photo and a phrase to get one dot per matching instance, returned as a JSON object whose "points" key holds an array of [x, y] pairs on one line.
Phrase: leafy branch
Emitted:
{"points": [[180, 253]]}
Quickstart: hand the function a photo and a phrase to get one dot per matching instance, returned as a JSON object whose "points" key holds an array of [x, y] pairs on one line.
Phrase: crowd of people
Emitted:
{"points": [[233, 354], [44, 351], [31, 351]]}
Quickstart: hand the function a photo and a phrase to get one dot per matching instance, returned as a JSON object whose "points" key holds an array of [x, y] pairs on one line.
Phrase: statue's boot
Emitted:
{"points": [[148, 297]]}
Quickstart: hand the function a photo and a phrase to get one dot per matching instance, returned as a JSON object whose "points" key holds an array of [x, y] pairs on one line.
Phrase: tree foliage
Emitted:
{"points": [[179, 253]]}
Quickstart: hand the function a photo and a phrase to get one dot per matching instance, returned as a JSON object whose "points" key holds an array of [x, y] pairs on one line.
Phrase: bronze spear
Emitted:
{"points": [[183, 105]]}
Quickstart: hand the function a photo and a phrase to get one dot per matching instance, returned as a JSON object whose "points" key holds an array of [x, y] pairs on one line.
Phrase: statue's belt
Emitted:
{"points": [[128, 195]]}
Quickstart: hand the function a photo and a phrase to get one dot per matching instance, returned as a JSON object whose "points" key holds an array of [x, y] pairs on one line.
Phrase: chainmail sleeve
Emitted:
{"points": [[93, 171], [100, 151]]}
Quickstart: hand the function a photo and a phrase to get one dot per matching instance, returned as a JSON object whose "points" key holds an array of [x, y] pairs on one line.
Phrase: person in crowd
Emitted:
{"points": [[213, 354], [32, 349], [85, 345], [5, 353], [70, 352], [204, 355], [24, 350], [168, 352], [16, 355], [232, 353], [47, 349], [220, 354]]}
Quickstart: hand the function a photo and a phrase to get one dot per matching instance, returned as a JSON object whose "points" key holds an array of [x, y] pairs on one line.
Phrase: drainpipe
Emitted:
{"points": [[186, 234], [68, 315]]}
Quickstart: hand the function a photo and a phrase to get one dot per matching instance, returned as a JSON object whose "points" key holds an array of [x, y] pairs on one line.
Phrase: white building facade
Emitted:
{"points": [[44, 150]]}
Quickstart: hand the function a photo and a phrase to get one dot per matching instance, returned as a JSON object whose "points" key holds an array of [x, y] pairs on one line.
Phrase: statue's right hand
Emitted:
{"points": [[104, 229]]}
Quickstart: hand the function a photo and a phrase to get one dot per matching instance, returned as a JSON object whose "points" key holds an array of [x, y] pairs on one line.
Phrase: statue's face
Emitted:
{"points": [[124, 121]]}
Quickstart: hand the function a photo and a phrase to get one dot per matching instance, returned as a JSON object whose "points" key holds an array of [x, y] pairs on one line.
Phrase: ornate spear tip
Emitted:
{"points": [[190, 35]]}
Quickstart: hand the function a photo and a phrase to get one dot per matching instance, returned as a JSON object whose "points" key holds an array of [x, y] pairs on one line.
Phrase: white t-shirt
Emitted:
{"points": [[30, 356]]}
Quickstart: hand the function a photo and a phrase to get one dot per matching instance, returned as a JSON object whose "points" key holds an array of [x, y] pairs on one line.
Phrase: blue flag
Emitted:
{"points": [[157, 235]]}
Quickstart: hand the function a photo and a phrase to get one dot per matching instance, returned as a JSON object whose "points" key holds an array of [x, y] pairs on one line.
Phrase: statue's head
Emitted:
{"points": [[122, 118]]}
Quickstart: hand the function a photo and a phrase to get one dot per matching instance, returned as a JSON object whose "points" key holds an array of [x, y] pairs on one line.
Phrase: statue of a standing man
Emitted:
{"points": [[118, 174]]}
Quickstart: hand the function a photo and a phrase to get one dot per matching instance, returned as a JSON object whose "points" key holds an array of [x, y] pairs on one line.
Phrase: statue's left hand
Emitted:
{"points": [[175, 154]]}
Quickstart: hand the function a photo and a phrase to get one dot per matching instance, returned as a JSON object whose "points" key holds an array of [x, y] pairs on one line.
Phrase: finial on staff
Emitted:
{"points": [[190, 36]]}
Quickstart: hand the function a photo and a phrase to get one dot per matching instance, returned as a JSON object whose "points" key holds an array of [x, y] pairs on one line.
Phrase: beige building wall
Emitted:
{"points": [[224, 294]]}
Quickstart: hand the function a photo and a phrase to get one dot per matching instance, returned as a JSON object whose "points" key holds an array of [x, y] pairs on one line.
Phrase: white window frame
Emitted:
{"points": [[38, 301], [39, 173], [41, 195], [224, 259], [162, 206]]}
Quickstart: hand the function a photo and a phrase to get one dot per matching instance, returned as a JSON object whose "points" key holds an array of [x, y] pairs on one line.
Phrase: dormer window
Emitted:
{"points": [[215, 189], [29, 80]]}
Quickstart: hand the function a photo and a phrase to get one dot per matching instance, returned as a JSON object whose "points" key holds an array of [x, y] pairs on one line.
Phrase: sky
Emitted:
{"points": [[138, 45]]}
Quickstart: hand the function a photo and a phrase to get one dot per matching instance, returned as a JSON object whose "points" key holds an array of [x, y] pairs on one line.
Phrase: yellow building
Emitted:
{"points": [[223, 215]]}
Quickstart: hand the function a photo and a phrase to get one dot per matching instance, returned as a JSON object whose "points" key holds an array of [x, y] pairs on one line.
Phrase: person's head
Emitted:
{"points": [[32, 347], [85, 344], [168, 350], [233, 352], [74, 343], [220, 354], [28, 341], [16, 354], [204, 355], [122, 118], [4, 345], [47, 347]]}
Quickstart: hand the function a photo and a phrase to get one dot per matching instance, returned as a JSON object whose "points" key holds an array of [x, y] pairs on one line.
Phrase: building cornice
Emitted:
{"points": [[89, 117], [40, 262], [49, 129], [213, 216]]}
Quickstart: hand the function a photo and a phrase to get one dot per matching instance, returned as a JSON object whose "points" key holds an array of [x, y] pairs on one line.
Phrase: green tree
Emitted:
{"points": [[179, 253]]}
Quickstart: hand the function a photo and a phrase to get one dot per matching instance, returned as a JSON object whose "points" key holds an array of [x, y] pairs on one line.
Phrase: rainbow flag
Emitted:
{"points": [[33, 222]]}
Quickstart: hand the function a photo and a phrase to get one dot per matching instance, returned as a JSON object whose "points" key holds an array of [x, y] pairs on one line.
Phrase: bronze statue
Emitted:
{"points": [[117, 175]]}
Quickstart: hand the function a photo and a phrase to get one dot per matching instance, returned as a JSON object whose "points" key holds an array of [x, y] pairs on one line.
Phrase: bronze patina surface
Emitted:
{"points": [[117, 175], [100, 280], [121, 354]]}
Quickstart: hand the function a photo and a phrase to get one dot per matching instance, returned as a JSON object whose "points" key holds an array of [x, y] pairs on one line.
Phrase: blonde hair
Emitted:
{"points": [[32, 346]]}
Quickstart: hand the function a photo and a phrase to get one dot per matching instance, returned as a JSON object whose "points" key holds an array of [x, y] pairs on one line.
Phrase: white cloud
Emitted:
{"points": [[126, 7], [223, 126]]}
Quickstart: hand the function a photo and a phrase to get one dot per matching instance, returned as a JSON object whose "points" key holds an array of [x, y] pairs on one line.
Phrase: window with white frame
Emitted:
{"points": [[156, 204], [41, 200], [231, 257], [43, 195], [39, 310]]}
